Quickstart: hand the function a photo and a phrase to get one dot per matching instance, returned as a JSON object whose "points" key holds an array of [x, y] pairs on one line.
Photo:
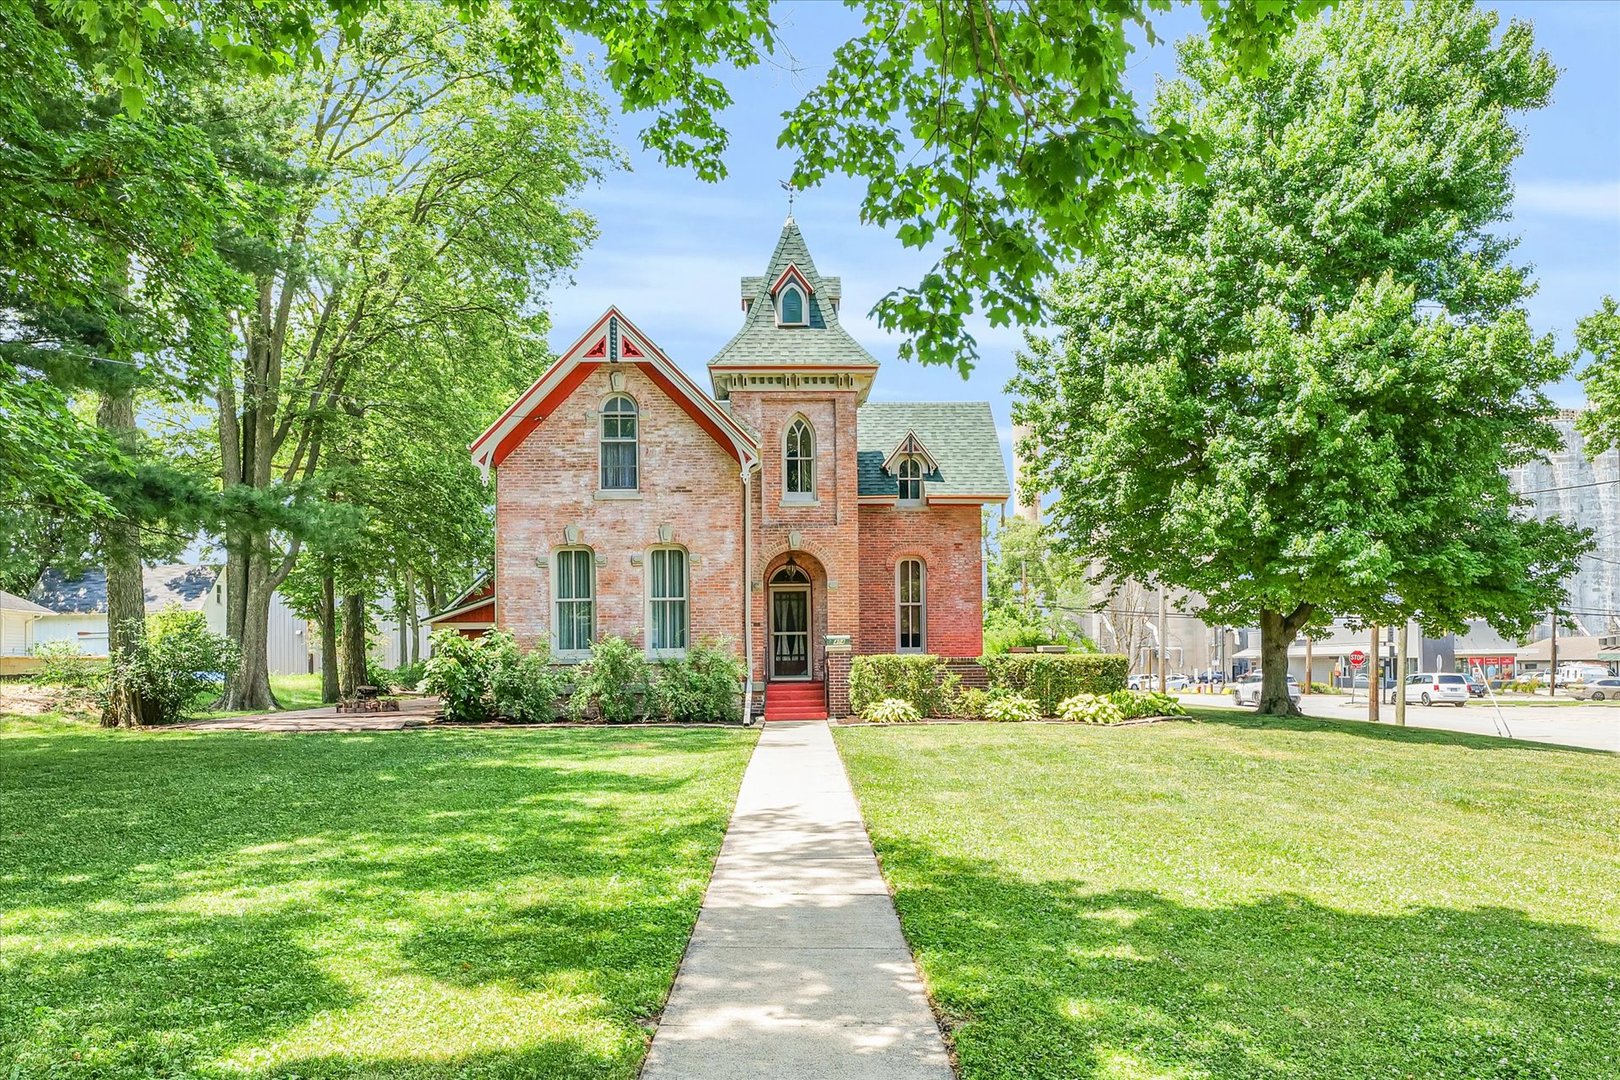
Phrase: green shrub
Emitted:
{"points": [[172, 671], [1136, 704], [891, 711], [1052, 678], [919, 679], [404, 677], [462, 669], [971, 703], [526, 688], [62, 665], [612, 684], [1092, 709], [702, 687], [1011, 709], [1323, 688]]}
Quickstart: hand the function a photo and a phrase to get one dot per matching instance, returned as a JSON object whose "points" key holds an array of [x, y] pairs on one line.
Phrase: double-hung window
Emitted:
{"points": [[911, 483], [619, 450], [667, 590], [909, 606], [575, 589]]}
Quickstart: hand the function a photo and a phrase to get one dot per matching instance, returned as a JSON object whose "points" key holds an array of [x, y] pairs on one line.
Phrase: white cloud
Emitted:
{"points": [[1596, 200]]}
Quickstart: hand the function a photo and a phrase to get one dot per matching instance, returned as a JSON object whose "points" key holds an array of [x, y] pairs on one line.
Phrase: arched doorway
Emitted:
{"points": [[788, 655]]}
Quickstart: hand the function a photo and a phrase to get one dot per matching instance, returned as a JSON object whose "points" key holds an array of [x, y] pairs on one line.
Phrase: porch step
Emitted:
{"points": [[795, 701]]}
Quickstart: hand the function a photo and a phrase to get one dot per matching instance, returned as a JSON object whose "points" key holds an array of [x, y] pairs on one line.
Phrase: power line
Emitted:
{"points": [[1569, 487]]}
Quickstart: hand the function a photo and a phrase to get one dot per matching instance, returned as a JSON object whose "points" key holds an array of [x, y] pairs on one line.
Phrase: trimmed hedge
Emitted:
{"points": [[921, 680], [1052, 678]]}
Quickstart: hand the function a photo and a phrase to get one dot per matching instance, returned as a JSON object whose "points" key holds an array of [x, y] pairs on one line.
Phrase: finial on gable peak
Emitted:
{"points": [[788, 186]]}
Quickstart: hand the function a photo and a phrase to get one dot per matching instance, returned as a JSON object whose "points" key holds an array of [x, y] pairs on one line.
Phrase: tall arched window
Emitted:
{"points": [[910, 606], [790, 307], [799, 462], [667, 600], [619, 444], [574, 594], [911, 485]]}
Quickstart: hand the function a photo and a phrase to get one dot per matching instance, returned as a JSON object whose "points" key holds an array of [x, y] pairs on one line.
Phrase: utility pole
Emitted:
{"points": [[1552, 663], [1164, 652], [1375, 677], [1400, 675], [1307, 687]]}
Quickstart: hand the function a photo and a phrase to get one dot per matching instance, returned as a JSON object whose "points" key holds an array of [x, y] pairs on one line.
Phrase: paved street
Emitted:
{"points": [[1596, 727]]}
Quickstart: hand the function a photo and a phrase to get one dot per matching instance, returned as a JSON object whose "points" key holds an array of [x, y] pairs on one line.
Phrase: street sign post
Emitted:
{"points": [[1358, 658]]}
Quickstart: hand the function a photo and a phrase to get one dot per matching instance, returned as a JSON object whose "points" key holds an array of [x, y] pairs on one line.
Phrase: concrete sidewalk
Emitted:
{"points": [[797, 967]]}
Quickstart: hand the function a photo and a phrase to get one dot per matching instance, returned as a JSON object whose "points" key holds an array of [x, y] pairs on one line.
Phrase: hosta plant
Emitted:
{"points": [[1011, 709], [891, 711], [1090, 709], [1136, 704]]}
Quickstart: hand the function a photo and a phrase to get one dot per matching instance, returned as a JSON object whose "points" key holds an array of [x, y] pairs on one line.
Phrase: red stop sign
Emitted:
{"points": [[1358, 658]]}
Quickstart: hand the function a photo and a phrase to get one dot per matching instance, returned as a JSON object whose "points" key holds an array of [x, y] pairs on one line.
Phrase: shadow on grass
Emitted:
{"points": [[171, 902], [1071, 979], [1381, 732]]}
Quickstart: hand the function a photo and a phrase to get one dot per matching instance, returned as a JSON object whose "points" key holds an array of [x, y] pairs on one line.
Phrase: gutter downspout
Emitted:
{"points": [[747, 603]]}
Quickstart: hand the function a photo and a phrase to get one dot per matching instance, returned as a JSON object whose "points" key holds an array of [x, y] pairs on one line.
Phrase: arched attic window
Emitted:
{"points": [[790, 306], [619, 444]]}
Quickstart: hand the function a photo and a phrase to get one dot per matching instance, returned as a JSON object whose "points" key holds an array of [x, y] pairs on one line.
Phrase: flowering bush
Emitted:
{"points": [[1091, 709], [892, 711], [1011, 709]]}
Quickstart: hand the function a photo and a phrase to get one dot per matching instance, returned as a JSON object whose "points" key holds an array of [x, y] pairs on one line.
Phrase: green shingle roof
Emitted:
{"points": [[761, 341], [960, 434]]}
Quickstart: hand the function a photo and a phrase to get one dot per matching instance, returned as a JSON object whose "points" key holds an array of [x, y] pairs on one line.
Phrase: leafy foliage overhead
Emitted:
{"points": [[996, 134]]}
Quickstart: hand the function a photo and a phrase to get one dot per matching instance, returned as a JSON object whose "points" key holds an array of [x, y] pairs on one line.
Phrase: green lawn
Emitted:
{"points": [[292, 691], [1236, 899], [417, 904]]}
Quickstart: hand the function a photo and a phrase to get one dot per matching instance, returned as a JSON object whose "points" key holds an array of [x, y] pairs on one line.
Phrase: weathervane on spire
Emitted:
{"points": [[787, 186]]}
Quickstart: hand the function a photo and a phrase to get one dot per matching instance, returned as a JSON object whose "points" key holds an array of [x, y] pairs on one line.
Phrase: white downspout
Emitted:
{"points": [[747, 602]]}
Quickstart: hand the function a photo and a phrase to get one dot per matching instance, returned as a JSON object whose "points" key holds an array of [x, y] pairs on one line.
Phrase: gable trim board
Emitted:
{"points": [[623, 343]]}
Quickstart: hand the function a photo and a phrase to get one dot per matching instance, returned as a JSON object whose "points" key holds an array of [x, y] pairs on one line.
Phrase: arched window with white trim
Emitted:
{"points": [[790, 306], [799, 462], [668, 609], [619, 453], [910, 606], [909, 476], [574, 599]]}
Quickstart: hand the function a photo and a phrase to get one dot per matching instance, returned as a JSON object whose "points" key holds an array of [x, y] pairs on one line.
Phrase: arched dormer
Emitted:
{"points": [[791, 293]]}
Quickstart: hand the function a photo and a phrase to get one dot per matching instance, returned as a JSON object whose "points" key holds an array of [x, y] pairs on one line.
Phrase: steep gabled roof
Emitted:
{"points": [[13, 602], [960, 435], [822, 341], [612, 339], [182, 586]]}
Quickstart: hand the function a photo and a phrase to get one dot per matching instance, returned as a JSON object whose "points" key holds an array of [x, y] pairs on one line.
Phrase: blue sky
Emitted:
{"points": [[672, 247]]}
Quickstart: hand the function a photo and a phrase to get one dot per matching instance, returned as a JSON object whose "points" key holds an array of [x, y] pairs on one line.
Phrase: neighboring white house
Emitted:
{"points": [[17, 619], [77, 611]]}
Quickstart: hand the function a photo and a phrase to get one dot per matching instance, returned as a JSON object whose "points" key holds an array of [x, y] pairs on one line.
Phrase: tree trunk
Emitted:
{"points": [[1277, 632], [329, 640], [354, 642], [412, 617], [126, 592]]}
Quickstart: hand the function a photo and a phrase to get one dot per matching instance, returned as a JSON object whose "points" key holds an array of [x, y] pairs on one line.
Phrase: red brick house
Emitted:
{"points": [[782, 512]]}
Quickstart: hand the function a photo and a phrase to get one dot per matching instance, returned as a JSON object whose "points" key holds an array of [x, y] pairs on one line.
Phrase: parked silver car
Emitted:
{"points": [[1604, 689], [1246, 691], [1436, 688]]}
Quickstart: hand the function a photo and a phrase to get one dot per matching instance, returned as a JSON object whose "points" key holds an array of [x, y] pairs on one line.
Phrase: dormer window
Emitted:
{"points": [[790, 306], [910, 478]]}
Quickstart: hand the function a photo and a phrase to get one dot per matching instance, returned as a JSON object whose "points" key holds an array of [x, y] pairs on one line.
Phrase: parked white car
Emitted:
{"points": [[1435, 688], [1246, 691]]}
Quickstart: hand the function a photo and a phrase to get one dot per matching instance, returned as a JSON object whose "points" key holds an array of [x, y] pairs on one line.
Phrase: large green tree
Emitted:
{"points": [[1598, 337], [996, 134], [433, 206], [1294, 389]]}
